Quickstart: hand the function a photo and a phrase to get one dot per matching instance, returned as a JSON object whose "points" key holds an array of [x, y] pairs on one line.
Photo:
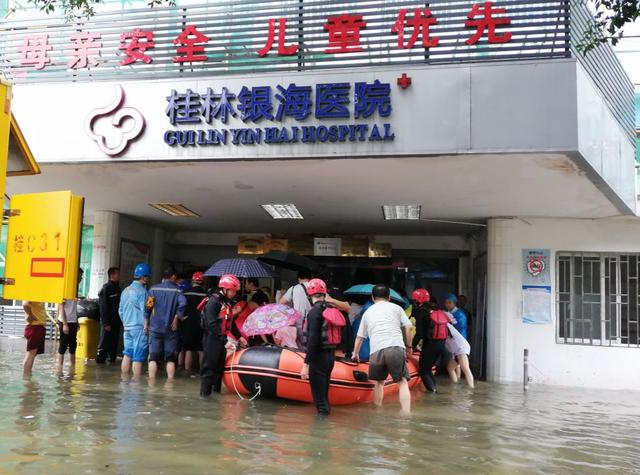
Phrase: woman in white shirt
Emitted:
{"points": [[459, 347]]}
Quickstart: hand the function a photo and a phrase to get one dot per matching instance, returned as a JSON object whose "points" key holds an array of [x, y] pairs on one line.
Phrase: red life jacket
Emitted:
{"points": [[440, 320], [225, 318]]}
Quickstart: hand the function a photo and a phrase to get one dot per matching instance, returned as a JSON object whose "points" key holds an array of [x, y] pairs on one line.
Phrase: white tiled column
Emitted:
{"points": [[105, 249], [502, 269]]}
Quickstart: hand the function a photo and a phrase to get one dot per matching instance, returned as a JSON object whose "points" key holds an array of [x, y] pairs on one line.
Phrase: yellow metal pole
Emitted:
{"points": [[5, 127]]}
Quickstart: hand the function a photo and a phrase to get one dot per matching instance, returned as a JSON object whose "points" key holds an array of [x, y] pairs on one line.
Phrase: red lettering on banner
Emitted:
{"points": [[420, 22], [33, 51], [191, 50], [84, 48], [134, 44], [488, 22], [283, 50], [344, 33]]}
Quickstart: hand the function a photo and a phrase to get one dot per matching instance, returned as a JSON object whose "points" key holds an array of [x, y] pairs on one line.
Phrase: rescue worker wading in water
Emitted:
{"points": [[431, 328], [216, 322], [322, 329]]}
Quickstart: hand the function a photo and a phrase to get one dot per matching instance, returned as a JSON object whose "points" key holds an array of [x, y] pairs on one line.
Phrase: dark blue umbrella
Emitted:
{"points": [[241, 268]]}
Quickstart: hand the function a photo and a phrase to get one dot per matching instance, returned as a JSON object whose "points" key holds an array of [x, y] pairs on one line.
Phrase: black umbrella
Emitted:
{"points": [[289, 260]]}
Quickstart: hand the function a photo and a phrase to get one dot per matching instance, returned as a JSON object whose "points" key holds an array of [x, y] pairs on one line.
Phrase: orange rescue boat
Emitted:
{"points": [[275, 372]]}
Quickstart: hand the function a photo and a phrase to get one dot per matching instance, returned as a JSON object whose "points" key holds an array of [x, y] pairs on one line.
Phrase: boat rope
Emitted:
{"points": [[258, 387]]}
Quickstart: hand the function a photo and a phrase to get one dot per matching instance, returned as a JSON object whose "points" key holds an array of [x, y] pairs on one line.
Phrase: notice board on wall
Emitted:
{"points": [[131, 254], [536, 286]]}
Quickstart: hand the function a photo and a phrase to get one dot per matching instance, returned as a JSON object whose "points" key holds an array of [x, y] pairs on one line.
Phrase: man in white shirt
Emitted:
{"points": [[389, 332]]}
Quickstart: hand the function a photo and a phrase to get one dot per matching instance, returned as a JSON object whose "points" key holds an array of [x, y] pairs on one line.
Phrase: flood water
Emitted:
{"points": [[90, 421]]}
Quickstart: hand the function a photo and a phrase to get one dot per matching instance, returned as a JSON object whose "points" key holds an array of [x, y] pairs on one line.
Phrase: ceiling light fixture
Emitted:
{"points": [[282, 211], [175, 210], [401, 212]]}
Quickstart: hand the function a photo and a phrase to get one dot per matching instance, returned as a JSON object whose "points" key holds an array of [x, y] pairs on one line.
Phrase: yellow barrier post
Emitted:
{"points": [[88, 335]]}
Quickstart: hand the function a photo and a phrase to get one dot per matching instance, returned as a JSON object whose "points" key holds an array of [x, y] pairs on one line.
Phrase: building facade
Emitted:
{"points": [[466, 147]]}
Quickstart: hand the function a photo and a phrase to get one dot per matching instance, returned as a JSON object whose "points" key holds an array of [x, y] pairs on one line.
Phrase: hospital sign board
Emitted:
{"points": [[43, 247]]}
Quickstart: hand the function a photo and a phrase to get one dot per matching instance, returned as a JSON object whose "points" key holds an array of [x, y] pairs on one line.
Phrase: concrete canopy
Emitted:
{"points": [[335, 196]]}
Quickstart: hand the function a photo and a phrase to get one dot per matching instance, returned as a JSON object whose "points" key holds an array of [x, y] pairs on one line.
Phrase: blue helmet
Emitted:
{"points": [[453, 298], [142, 270], [184, 285]]}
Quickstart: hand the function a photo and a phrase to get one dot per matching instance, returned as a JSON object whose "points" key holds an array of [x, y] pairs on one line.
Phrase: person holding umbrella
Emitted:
{"points": [[217, 322], [389, 332]]}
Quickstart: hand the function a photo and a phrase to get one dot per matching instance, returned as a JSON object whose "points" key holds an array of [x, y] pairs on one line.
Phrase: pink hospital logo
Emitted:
{"points": [[116, 139]]}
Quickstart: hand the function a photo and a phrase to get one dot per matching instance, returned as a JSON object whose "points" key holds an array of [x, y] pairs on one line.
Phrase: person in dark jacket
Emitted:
{"points": [[421, 313], [217, 322], [320, 358], [165, 309], [109, 302], [190, 327], [433, 342]]}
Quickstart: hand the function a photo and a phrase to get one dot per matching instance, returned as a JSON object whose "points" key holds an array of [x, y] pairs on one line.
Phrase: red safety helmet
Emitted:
{"points": [[420, 296], [198, 277], [316, 286], [229, 282]]}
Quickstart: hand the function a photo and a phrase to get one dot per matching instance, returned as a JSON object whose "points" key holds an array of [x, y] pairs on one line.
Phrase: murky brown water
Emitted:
{"points": [[91, 422]]}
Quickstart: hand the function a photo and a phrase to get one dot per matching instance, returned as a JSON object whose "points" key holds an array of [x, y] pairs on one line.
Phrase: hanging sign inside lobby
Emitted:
{"points": [[327, 247]]}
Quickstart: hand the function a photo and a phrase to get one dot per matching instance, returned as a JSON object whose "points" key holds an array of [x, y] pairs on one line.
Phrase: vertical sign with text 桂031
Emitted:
{"points": [[43, 247]]}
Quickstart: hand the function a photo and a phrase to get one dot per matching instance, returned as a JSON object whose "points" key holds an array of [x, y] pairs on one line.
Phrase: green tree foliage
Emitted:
{"points": [[83, 8], [610, 20]]}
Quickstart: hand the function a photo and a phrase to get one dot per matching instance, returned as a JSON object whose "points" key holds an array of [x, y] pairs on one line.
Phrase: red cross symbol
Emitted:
{"points": [[404, 81]]}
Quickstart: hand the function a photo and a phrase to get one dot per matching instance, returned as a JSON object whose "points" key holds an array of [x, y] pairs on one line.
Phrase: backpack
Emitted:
{"points": [[332, 326], [440, 321], [331, 332]]}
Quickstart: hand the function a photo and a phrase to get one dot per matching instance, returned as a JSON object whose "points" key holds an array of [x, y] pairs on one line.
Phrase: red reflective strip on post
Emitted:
{"points": [[47, 267]]}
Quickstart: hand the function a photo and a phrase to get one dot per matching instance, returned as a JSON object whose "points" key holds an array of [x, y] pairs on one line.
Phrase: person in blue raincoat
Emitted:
{"points": [[132, 310], [460, 316], [364, 349], [460, 324]]}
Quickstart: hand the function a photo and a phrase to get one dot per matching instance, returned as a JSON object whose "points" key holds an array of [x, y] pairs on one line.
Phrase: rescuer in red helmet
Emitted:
{"points": [[431, 329], [322, 333], [217, 319]]}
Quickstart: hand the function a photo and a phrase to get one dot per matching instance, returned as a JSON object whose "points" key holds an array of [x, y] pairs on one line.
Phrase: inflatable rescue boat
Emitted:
{"points": [[274, 372]]}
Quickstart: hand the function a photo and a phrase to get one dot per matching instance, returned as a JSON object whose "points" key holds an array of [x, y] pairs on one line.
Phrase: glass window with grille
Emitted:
{"points": [[598, 298]]}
